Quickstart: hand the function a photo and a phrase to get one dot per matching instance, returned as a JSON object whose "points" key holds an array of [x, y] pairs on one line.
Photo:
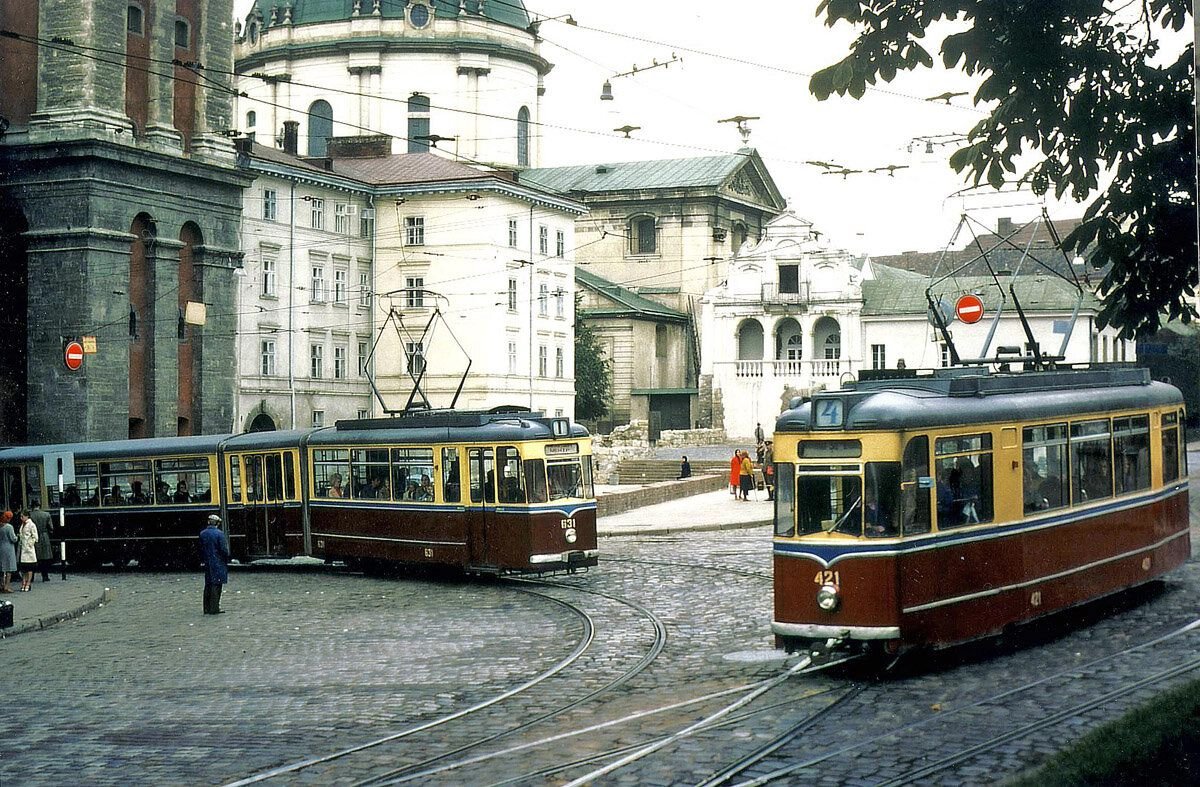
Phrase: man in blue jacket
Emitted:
{"points": [[214, 551]]}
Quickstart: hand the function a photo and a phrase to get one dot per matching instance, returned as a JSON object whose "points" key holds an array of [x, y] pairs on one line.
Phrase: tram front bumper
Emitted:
{"points": [[816, 631], [573, 557]]}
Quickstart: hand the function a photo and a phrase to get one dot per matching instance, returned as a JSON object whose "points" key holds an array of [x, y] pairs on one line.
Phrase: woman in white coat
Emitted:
{"points": [[27, 557]]}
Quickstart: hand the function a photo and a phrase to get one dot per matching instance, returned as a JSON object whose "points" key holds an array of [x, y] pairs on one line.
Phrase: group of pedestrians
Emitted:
{"points": [[741, 468], [24, 548]]}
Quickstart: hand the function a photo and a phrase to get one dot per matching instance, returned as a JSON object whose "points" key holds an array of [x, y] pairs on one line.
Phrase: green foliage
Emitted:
{"points": [[593, 373], [1083, 92]]}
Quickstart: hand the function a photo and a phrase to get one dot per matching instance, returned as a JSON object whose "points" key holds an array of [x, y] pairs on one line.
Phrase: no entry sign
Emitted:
{"points": [[73, 356], [969, 309]]}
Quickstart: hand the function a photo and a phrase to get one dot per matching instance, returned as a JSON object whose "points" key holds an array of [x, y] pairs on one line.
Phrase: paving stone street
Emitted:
{"points": [[320, 676]]}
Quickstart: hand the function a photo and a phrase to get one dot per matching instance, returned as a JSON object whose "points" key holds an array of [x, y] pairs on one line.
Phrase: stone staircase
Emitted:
{"points": [[650, 471]]}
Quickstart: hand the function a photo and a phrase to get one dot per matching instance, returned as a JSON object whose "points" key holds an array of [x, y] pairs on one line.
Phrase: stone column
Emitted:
{"points": [[216, 381], [164, 282], [75, 89], [160, 118], [214, 99]]}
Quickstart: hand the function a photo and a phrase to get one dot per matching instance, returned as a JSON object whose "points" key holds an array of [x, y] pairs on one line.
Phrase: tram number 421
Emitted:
{"points": [[828, 578]]}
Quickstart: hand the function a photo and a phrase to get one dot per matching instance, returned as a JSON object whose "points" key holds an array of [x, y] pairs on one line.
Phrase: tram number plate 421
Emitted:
{"points": [[828, 577]]}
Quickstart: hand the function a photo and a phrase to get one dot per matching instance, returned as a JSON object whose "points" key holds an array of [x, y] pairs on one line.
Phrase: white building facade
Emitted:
{"points": [[465, 77], [797, 315]]}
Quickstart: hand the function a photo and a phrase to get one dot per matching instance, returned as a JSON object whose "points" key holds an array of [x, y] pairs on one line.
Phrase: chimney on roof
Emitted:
{"points": [[291, 136], [366, 146], [1004, 226]]}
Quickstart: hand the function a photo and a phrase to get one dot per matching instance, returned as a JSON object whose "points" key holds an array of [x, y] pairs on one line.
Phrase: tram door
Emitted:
{"points": [[266, 492], [481, 462]]}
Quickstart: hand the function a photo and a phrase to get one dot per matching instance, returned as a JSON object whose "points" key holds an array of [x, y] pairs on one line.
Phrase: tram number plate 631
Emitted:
{"points": [[828, 577], [567, 524]]}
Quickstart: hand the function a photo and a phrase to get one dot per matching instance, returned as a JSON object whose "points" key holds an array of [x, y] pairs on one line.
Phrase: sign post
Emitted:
{"points": [[62, 464]]}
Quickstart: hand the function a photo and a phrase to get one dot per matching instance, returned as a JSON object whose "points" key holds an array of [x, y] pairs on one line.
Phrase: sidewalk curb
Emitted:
{"points": [[675, 529], [106, 597]]}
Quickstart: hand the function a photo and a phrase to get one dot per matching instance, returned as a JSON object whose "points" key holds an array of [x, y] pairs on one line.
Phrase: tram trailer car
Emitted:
{"points": [[932, 510], [143, 500], [487, 492]]}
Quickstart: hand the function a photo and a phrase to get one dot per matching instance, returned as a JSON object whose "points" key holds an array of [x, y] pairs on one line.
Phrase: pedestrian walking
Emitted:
{"points": [[759, 435], [45, 551], [8, 552], [735, 472], [214, 551], [27, 558], [685, 469], [746, 475]]}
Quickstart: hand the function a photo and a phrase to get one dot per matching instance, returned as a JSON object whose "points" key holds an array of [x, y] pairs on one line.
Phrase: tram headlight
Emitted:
{"points": [[829, 598], [569, 534]]}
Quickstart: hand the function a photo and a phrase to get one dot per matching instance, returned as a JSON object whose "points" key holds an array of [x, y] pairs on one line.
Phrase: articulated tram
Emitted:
{"points": [[487, 492], [935, 509]]}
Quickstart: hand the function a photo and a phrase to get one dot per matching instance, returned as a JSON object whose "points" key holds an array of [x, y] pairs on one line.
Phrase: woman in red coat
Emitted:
{"points": [[735, 470]]}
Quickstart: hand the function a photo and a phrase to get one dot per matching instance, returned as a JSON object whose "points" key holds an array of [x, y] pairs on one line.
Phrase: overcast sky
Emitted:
{"points": [[766, 53]]}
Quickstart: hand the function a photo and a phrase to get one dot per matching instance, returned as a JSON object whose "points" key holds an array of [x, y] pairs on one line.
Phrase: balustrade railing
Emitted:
{"points": [[793, 370]]}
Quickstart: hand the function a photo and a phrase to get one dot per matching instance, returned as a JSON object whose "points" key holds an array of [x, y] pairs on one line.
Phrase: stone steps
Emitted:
{"points": [[650, 471]]}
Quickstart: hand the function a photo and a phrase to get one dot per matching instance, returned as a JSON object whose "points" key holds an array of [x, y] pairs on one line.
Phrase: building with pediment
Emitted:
{"points": [[797, 315], [648, 248]]}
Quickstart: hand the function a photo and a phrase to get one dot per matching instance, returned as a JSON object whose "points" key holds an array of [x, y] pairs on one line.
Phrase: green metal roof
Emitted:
{"points": [[627, 302], [308, 12], [896, 291], [632, 175]]}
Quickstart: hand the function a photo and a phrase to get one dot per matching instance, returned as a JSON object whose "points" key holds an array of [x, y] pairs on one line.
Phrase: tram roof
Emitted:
{"points": [[448, 426], [951, 397], [146, 447]]}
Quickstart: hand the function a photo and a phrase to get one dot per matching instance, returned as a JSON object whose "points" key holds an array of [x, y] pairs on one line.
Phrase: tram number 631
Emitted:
{"points": [[827, 577]]}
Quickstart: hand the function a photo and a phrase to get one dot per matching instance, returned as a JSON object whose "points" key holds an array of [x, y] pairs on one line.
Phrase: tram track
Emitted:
{"points": [[422, 769], [789, 769]]}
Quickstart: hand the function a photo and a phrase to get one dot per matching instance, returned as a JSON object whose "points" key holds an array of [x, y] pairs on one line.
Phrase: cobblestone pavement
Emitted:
{"points": [[313, 663]]}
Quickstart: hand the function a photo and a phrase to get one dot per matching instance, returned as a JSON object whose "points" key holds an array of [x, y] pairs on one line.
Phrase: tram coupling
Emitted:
{"points": [[821, 653]]}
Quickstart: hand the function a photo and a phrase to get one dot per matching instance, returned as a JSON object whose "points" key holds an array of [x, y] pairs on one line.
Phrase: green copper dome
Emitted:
{"points": [[309, 12]]}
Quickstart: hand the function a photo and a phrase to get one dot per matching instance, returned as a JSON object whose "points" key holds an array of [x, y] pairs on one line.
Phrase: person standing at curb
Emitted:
{"points": [[746, 476], [45, 552], [8, 552], [27, 558], [214, 551], [735, 472]]}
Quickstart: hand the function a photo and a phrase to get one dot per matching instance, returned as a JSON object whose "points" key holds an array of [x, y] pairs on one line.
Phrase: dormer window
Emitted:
{"points": [[135, 20]]}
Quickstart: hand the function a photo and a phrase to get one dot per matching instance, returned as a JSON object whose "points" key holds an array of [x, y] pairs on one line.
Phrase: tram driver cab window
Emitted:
{"points": [[511, 488]]}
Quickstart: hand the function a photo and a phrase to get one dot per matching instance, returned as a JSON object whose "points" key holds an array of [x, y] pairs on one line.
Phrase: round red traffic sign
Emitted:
{"points": [[73, 356], [969, 309]]}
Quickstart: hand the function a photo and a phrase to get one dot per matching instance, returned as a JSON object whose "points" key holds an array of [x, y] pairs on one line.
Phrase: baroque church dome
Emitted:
{"points": [[307, 12]]}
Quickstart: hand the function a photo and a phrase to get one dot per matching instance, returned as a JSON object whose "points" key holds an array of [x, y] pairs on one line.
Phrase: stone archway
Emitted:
{"points": [[750, 341], [262, 423]]}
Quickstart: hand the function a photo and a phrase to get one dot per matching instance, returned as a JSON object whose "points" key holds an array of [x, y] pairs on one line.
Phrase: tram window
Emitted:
{"points": [[1044, 456], [289, 476], [182, 481], [33, 485], [566, 480], [12, 489], [331, 468], [125, 483], [511, 489], [483, 475], [412, 474], [1170, 449], [451, 480], [274, 477], [535, 479], [86, 489], [915, 517], [829, 503], [1183, 457], [585, 466], [881, 499], [1131, 452], [964, 480], [235, 480], [254, 478], [785, 499], [1091, 461], [369, 474]]}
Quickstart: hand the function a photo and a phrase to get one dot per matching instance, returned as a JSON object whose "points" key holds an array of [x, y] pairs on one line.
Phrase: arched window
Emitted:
{"points": [[320, 127], [183, 34], [827, 339], [739, 234], [418, 123], [523, 137], [135, 20], [251, 119], [643, 232]]}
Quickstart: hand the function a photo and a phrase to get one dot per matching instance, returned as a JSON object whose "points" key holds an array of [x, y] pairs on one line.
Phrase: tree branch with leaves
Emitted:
{"points": [[1082, 91]]}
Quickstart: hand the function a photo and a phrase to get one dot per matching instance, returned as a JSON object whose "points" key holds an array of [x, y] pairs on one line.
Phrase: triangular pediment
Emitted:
{"points": [[752, 183]]}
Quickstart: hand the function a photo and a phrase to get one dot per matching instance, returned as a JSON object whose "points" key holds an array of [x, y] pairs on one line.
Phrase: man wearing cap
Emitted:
{"points": [[214, 551]]}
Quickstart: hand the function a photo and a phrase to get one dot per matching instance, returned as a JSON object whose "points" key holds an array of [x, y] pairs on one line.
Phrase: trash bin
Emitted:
{"points": [[6, 614]]}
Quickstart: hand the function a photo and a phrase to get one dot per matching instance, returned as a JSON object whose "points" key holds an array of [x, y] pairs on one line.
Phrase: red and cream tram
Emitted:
{"points": [[486, 492], [931, 510]]}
